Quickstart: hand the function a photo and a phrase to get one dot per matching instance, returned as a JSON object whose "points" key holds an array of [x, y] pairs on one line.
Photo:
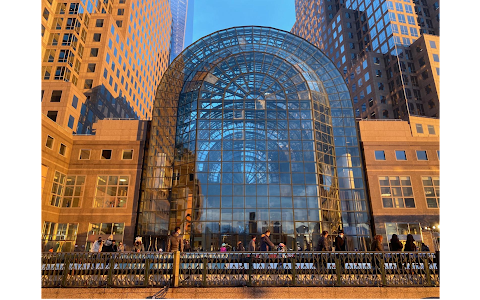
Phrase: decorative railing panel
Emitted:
{"points": [[194, 269]]}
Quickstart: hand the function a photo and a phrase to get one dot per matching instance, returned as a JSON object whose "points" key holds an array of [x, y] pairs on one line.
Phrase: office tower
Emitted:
{"points": [[102, 59], [253, 129], [402, 165], [374, 43], [179, 10]]}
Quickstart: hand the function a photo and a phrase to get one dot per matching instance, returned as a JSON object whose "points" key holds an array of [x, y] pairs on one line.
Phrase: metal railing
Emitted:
{"points": [[207, 269]]}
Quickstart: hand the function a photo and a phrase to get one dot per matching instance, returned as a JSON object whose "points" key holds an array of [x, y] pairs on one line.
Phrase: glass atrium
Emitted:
{"points": [[253, 129]]}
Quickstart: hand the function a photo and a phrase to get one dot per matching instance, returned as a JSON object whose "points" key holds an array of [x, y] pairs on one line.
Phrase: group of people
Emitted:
{"points": [[176, 243], [396, 245], [110, 245]]}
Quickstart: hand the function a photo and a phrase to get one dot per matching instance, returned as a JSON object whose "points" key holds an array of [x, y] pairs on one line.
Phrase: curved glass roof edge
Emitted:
{"points": [[322, 60]]}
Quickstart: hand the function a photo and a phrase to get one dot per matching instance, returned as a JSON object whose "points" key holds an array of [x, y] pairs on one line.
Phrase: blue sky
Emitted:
{"points": [[213, 15]]}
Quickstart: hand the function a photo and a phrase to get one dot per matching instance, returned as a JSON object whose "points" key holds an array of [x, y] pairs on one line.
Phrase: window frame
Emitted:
{"points": [[60, 149], [437, 198], [107, 185], [53, 141], [101, 154], [123, 153], [80, 154], [426, 155], [375, 155], [404, 152], [401, 186]]}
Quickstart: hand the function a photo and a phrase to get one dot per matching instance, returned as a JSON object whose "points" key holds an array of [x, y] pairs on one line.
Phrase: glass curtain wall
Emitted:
{"points": [[253, 129]]}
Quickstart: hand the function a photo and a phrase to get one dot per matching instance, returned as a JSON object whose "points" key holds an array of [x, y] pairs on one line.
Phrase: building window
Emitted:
{"points": [[52, 115], [106, 154], [59, 237], [56, 96], [46, 14], [431, 186], [111, 191], [49, 143], [433, 45], [84, 154], [396, 192], [379, 155], [57, 189], [422, 155], [120, 12], [419, 128], [97, 37], [88, 84], [99, 23], [71, 120], [62, 149], [438, 154], [74, 188], [436, 58], [431, 129], [94, 52], [127, 154], [400, 155], [91, 68], [74, 101]]}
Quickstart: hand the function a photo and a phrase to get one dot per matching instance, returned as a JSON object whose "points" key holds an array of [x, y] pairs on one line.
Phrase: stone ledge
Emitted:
{"points": [[246, 293]]}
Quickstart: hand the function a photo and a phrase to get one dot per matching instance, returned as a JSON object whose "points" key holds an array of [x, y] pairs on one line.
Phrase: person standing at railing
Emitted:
{"points": [[265, 243], [395, 244], [323, 243], [251, 245], [377, 243], [340, 244], [410, 244], [97, 246], [121, 247], [108, 245], [411, 259], [175, 241], [240, 246], [223, 248], [138, 246]]}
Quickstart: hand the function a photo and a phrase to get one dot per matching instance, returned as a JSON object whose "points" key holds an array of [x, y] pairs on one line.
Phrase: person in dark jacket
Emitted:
{"points": [[377, 243], [410, 244], [114, 246], [265, 243], [107, 246], [340, 244], [395, 244], [251, 245], [175, 241], [323, 244]]}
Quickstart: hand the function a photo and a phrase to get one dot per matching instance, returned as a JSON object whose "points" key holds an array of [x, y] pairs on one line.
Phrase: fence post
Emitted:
{"points": [[382, 271], [176, 267], [294, 271], [427, 271], [110, 272], [250, 268], [204, 272], [66, 269], [147, 272], [338, 270]]}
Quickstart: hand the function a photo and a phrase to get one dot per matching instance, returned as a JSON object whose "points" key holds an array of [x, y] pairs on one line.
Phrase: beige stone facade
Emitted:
{"points": [[404, 202], [93, 188]]}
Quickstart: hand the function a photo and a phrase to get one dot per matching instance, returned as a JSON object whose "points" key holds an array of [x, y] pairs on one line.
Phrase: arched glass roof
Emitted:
{"points": [[254, 63], [233, 94]]}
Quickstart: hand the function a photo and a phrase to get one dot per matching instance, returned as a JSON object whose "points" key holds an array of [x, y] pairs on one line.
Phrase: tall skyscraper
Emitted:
{"points": [[256, 133], [179, 24], [102, 59], [388, 51]]}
